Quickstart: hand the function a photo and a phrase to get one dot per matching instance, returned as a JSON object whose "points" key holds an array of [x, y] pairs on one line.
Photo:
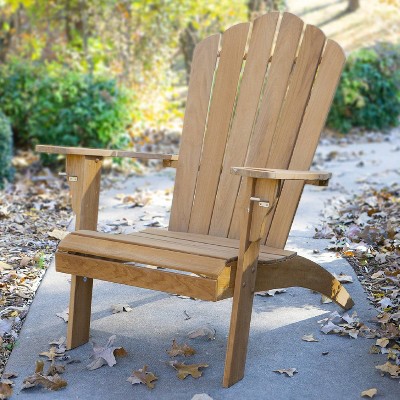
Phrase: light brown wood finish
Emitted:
{"points": [[221, 107], [85, 203], [278, 77], [83, 151], [246, 273], [301, 272], [113, 250], [313, 122], [111, 271], [194, 125], [285, 174], [250, 90], [262, 110], [220, 241]]}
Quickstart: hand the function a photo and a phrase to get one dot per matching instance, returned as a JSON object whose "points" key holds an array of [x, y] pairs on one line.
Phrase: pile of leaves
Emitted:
{"points": [[34, 213], [366, 230]]}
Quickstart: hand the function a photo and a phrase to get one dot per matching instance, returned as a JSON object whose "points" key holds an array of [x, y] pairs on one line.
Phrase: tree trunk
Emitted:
{"points": [[187, 42], [353, 5], [258, 7]]}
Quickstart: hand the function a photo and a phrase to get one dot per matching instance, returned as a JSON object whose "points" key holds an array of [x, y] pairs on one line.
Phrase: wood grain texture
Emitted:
{"points": [[222, 102], [257, 60], [194, 125], [85, 203], [113, 250], [302, 272], [112, 271], [279, 72], [220, 241], [283, 174], [246, 273], [313, 122], [82, 151]]}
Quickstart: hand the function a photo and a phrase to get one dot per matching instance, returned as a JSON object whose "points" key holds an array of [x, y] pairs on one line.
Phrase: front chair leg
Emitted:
{"points": [[254, 217], [241, 316], [84, 173]]}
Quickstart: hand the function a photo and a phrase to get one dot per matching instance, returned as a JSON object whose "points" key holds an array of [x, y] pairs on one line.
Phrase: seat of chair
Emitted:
{"points": [[193, 265]]}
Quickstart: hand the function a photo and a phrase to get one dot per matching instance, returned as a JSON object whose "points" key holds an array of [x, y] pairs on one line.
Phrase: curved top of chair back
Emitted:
{"points": [[258, 96]]}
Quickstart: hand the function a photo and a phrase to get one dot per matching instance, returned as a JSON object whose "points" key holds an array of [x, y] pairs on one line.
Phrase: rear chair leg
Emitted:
{"points": [[84, 173]]}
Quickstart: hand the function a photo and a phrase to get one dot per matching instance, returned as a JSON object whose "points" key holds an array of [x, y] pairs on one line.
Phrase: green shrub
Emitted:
{"points": [[6, 171], [368, 95], [62, 107]]}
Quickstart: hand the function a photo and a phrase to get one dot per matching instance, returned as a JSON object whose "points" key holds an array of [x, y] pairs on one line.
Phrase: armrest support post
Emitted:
{"points": [[85, 193]]}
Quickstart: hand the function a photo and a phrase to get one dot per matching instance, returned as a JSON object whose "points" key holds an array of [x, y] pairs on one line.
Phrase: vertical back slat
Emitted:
{"points": [[201, 79], [257, 59], [294, 107], [221, 107], [313, 122], [279, 72]]}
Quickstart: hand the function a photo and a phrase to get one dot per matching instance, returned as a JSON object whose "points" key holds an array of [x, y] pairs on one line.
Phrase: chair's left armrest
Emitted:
{"points": [[318, 178], [83, 151]]}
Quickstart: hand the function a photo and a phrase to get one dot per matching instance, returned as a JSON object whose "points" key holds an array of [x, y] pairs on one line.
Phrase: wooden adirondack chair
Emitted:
{"points": [[258, 98]]}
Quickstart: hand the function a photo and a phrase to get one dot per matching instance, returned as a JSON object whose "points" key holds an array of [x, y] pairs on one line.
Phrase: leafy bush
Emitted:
{"points": [[368, 95], [6, 171], [63, 107]]}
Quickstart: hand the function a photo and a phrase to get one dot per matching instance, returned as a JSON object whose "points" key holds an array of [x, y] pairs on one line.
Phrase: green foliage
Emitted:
{"points": [[368, 96], [56, 106], [6, 171]]}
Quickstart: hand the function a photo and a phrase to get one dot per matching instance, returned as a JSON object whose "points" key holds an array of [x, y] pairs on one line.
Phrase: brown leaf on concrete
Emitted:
{"points": [[309, 338], [5, 391], [204, 331], [185, 370], [369, 393], [103, 355], [389, 368], [180, 350], [40, 379], [53, 353], [143, 376]]}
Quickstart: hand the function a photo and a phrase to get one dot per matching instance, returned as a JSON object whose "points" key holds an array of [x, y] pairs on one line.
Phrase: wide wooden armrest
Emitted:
{"points": [[82, 151], [319, 178]]}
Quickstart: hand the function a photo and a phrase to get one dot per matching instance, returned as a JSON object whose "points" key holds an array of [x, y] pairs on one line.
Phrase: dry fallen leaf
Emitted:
{"points": [[289, 371], [118, 308], [58, 234], [204, 331], [39, 379], [53, 353], [104, 355], [271, 293], [388, 367], [343, 278], [143, 376], [185, 370], [370, 393], [201, 396], [309, 338], [325, 299], [383, 342], [5, 391], [64, 315], [331, 327], [180, 350]]}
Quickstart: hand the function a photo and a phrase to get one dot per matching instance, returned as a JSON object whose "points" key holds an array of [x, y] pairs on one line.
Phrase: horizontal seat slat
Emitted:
{"points": [[265, 251], [114, 250]]}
